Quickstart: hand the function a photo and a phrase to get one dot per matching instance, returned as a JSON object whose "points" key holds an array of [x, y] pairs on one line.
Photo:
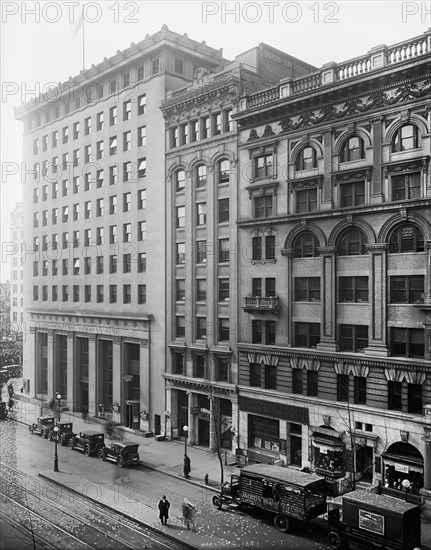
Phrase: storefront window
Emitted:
{"points": [[264, 433], [328, 461], [402, 461]]}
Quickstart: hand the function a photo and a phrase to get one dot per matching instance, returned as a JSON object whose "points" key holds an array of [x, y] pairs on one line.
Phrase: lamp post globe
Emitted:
{"points": [[58, 396], [406, 484], [55, 429], [185, 430]]}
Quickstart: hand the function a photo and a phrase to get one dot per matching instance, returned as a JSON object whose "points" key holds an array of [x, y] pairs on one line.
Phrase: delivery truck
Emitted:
{"points": [[292, 495], [374, 521]]}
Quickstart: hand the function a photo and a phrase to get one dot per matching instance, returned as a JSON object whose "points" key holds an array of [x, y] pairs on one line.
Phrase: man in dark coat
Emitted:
{"points": [[186, 467], [164, 505]]}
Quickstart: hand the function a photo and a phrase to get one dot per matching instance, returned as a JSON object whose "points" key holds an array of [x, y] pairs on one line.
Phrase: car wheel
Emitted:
{"points": [[120, 462], [44, 434], [71, 444], [101, 454], [282, 523], [31, 429], [217, 501], [87, 450], [334, 540], [50, 436], [61, 440], [135, 459]]}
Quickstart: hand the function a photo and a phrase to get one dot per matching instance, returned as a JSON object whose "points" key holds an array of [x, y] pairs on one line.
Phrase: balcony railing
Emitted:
{"points": [[260, 303], [377, 58]]}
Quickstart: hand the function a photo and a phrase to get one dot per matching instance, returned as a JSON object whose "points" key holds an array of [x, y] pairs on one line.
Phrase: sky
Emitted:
{"points": [[39, 47]]}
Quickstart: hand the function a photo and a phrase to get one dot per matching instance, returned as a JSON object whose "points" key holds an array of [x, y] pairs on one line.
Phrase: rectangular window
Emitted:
{"points": [[99, 149], [173, 133], [142, 104], [55, 138], [65, 134], [263, 166], [205, 127], [256, 287], [127, 141], [127, 110], [201, 252], [199, 366], [180, 217], [270, 247], [352, 194], [76, 130], [113, 262], [216, 119], [99, 294], [142, 199], [180, 326], [87, 210], [113, 294], [65, 293], [127, 294], [87, 126], [142, 294], [184, 134], [155, 66], [113, 145], [87, 293], [307, 289], [99, 121], [75, 290], [407, 186], [360, 393], [263, 206], [201, 290], [87, 265], [113, 204], [194, 131], [414, 403], [127, 263], [407, 342], [113, 116], [394, 395], [297, 381], [307, 335], [142, 167], [201, 213], [257, 248], [255, 375], [99, 265], [353, 289], [99, 207], [142, 230], [306, 200], [180, 290], [343, 387], [113, 174], [127, 202], [201, 328], [223, 210], [223, 250], [142, 136], [142, 262], [312, 383], [223, 330], [407, 289], [179, 66], [127, 232], [180, 255], [223, 290], [353, 337]]}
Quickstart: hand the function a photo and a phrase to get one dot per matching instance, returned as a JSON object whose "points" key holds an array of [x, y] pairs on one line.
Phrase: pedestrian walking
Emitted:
{"points": [[187, 467], [188, 511], [85, 413], [164, 506]]}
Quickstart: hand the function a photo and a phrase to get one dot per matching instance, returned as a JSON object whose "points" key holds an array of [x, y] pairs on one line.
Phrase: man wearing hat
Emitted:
{"points": [[164, 505]]}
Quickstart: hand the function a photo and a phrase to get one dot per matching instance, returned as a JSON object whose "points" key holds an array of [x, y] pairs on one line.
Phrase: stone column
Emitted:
{"points": [[71, 399], [32, 360], [327, 170], [190, 420], [92, 370], [377, 340], [328, 333], [376, 191], [426, 490], [117, 364], [52, 367], [144, 380]]}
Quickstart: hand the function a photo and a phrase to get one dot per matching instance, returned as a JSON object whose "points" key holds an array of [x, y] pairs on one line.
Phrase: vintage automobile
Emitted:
{"points": [[43, 426], [3, 410], [65, 433], [124, 454], [89, 442]]}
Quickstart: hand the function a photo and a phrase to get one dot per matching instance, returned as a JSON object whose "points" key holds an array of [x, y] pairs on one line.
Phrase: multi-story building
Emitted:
{"points": [[94, 226], [17, 272], [334, 354], [201, 214]]}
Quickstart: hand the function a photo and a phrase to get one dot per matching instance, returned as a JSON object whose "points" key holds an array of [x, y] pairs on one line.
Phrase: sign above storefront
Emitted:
{"points": [[289, 413]]}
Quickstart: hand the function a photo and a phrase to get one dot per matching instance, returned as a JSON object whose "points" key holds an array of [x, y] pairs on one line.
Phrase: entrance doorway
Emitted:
{"points": [[364, 463], [203, 432]]}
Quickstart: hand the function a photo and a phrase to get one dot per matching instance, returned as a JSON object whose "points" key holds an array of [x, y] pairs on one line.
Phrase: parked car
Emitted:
{"points": [[64, 434], [43, 425], [123, 454], [89, 442]]}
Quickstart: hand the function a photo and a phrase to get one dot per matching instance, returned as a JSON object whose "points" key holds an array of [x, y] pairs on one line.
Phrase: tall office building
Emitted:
{"points": [[17, 272], [94, 228], [334, 364]]}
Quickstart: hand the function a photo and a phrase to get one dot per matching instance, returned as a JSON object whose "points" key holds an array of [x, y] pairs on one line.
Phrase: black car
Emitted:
{"points": [[124, 454], [89, 442], [43, 426], [64, 434]]}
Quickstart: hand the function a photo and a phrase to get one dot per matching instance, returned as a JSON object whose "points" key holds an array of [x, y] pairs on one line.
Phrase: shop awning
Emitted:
{"points": [[394, 459], [325, 437]]}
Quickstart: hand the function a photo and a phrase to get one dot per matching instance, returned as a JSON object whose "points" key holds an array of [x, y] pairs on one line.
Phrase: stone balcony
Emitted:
{"points": [[261, 304]]}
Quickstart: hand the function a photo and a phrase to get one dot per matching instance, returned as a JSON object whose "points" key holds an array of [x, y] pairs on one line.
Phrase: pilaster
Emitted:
{"points": [[377, 340], [328, 333], [92, 384]]}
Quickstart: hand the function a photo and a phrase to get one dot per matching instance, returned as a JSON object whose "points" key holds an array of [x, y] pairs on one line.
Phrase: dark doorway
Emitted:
{"points": [[364, 463], [157, 424], [183, 411], [204, 432]]}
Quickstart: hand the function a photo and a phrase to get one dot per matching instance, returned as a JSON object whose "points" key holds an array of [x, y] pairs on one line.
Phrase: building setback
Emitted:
{"points": [[94, 227], [334, 213]]}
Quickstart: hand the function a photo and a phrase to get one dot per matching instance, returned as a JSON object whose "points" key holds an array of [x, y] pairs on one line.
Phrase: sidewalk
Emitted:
{"points": [[166, 457]]}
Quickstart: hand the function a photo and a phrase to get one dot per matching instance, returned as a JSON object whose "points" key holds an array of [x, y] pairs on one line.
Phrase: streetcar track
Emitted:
{"points": [[22, 529], [131, 524]]}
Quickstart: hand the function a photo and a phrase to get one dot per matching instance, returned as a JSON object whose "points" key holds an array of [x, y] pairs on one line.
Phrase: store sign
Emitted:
{"points": [[371, 522], [278, 410], [127, 377]]}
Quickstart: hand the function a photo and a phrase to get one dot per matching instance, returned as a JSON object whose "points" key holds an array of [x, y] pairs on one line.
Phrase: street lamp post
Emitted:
{"points": [[406, 484], [55, 452], [185, 430], [58, 396]]}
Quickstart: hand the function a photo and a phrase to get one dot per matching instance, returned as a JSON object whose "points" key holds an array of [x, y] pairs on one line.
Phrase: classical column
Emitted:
{"points": [[117, 364], [31, 356], [328, 332], [190, 419], [377, 340], [71, 388], [144, 380], [426, 490], [52, 367], [92, 370]]}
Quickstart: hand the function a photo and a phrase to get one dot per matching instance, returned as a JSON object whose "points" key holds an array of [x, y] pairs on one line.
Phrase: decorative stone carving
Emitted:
{"points": [[253, 135]]}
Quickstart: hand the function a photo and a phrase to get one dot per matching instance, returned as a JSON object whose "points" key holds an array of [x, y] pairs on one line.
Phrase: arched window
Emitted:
{"points": [[180, 180], [306, 159], [353, 149], [223, 171], [352, 243], [201, 175], [406, 238], [306, 245], [405, 138]]}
